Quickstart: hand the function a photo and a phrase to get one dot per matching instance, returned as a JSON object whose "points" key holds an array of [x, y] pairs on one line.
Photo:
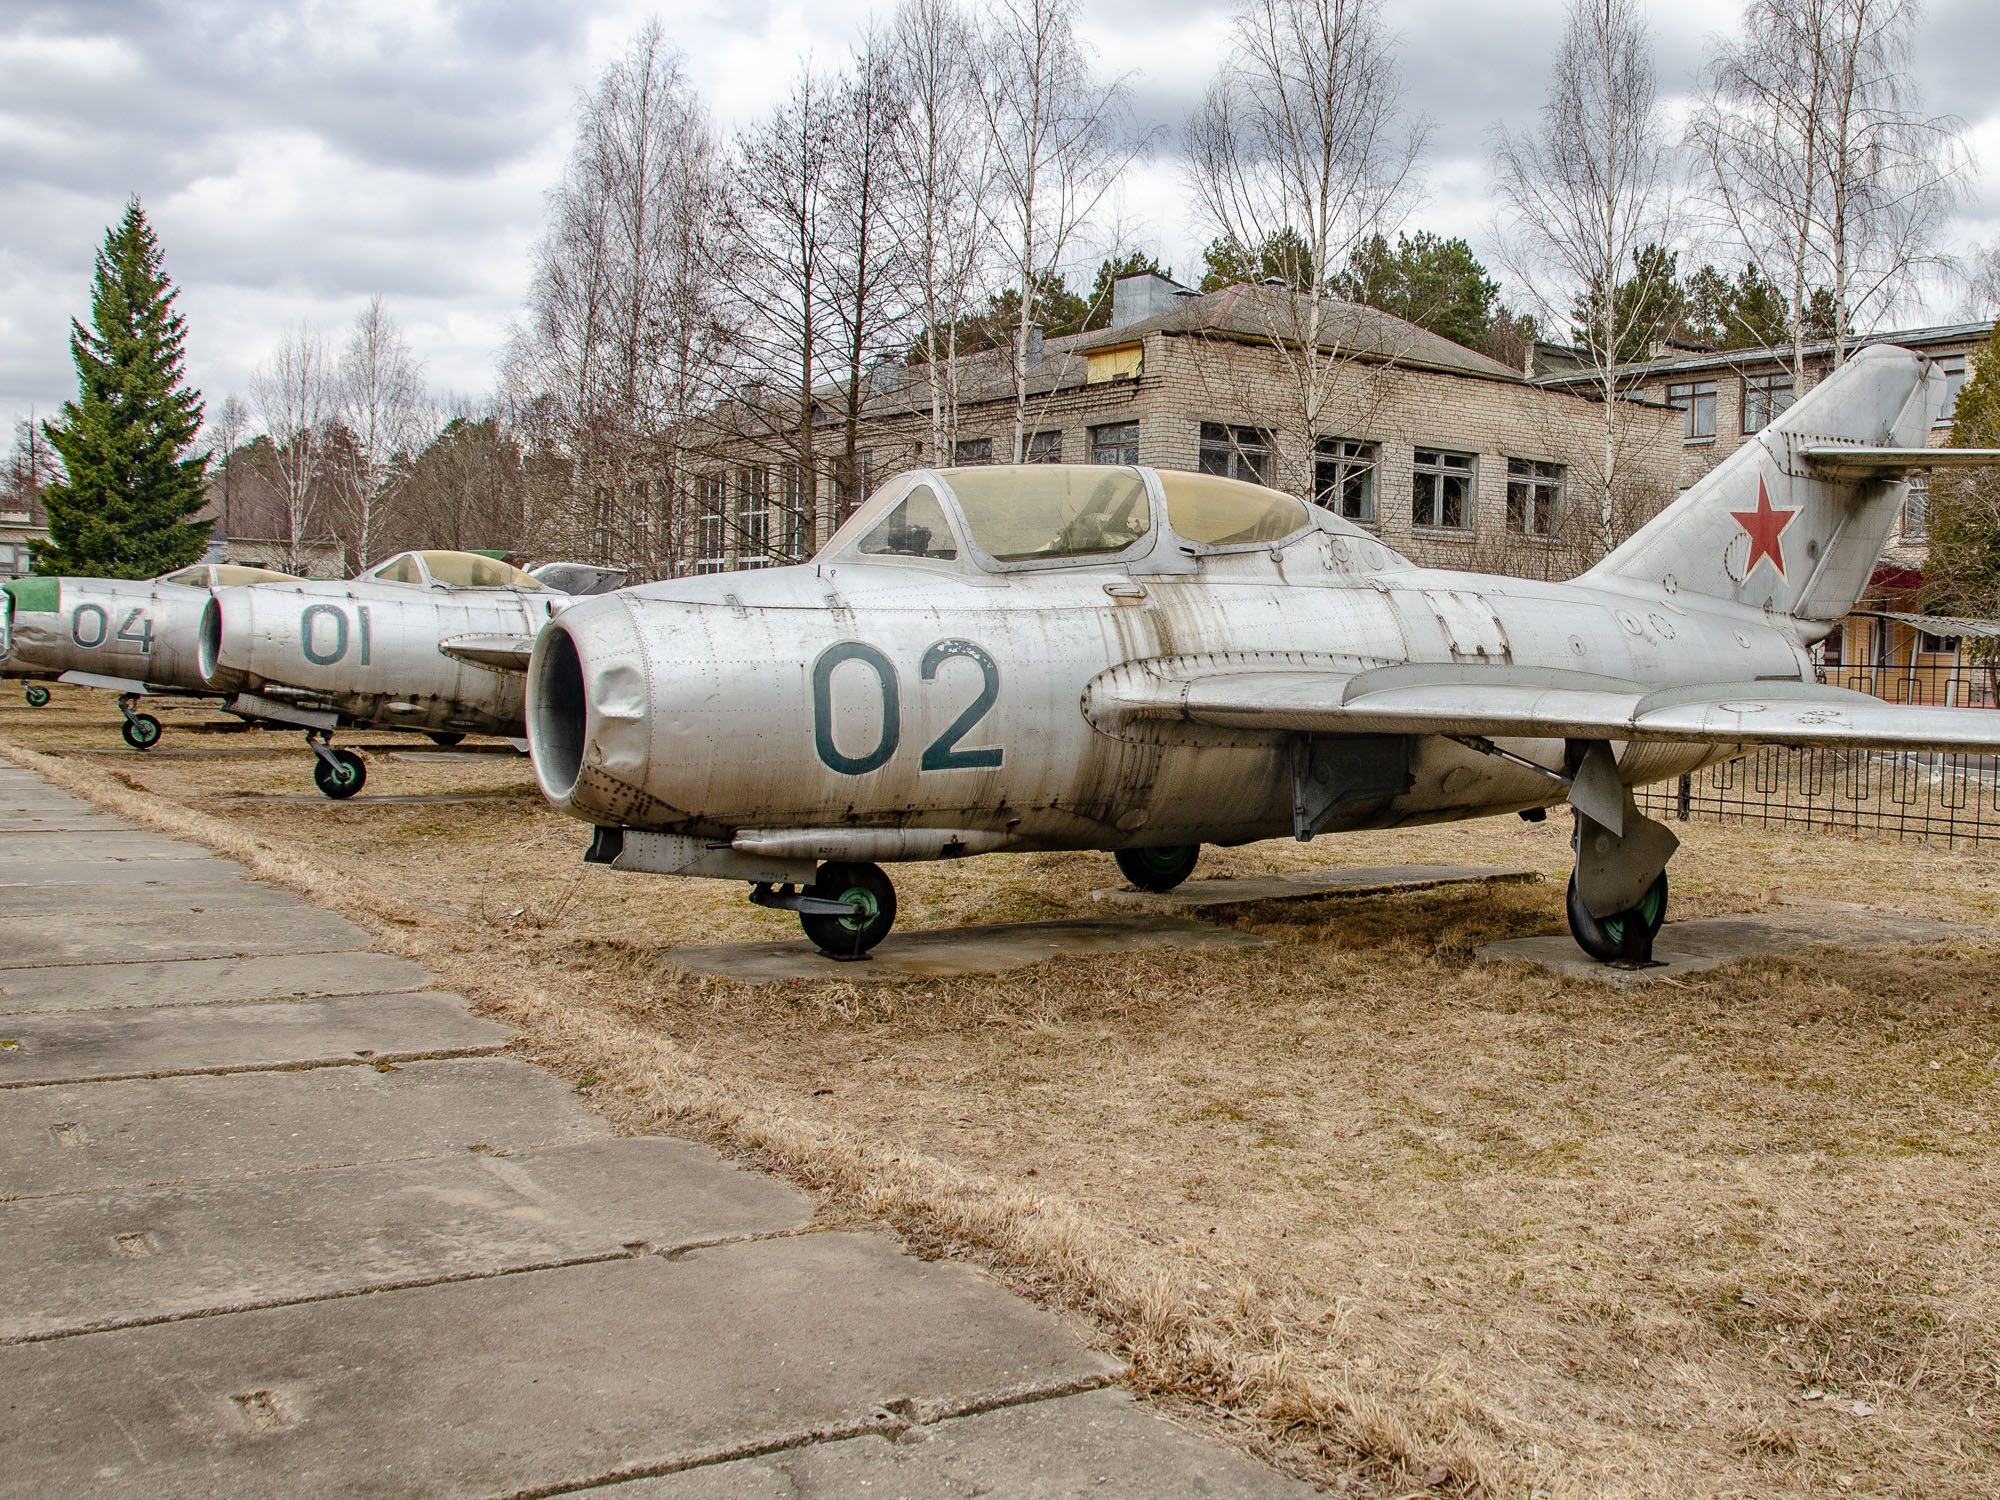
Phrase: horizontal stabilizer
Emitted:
{"points": [[503, 653], [1894, 463], [1530, 703]]}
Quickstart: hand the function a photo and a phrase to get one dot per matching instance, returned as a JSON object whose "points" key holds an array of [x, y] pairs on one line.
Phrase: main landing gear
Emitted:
{"points": [[1617, 899], [846, 911], [36, 695], [1624, 937], [338, 774], [141, 731], [1159, 868]]}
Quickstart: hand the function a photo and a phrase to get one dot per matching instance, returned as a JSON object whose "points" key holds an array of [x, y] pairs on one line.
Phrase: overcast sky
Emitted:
{"points": [[296, 158]]}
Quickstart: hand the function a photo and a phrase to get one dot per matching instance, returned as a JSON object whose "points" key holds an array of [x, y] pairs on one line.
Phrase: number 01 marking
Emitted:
{"points": [[942, 754], [314, 612]]}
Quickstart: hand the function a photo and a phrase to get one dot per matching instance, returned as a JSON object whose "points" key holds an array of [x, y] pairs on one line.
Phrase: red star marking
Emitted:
{"points": [[1766, 526]]}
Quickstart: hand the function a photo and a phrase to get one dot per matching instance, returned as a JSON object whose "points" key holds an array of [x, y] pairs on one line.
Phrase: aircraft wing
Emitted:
{"points": [[1894, 463], [1537, 703], [503, 653]]}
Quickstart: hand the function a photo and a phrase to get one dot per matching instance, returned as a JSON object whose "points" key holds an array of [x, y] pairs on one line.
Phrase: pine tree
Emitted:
{"points": [[122, 510], [1962, 574]]}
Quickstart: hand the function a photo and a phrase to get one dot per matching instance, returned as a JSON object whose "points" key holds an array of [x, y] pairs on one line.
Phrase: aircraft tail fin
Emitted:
{"points": [[1794, 521]]}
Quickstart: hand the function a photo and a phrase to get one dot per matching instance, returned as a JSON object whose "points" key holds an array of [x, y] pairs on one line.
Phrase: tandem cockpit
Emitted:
{"points": [[1003, 519]]}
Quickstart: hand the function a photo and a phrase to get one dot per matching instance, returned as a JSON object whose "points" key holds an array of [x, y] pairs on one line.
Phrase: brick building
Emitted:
{"points": [[1453, 458]]}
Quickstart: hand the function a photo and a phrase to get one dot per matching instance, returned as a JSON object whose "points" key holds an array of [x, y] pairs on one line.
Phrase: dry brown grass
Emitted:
{"points": [[1378, 1211]]}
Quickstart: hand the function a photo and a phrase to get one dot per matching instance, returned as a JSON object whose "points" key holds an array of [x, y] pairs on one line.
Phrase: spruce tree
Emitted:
{"points": [[122, 509], [1962, 574]]}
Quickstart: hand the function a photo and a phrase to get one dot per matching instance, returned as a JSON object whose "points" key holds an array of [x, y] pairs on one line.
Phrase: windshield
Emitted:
{"points": [[1032, 512], [1215, 512], [225, 575], [468, 570], [915, 528]]}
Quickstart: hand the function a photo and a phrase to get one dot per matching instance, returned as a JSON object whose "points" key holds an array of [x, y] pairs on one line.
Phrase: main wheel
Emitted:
{"points": [[1159, 868], [36, 694], [868, 888], [141, 731], [1622, 937], [343, 778], [445, 737]]}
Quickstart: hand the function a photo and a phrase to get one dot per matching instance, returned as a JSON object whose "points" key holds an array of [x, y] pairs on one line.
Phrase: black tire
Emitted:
{"points": [[444, 737], [343, 778], [36, 694], [141, 731], [1159, 868], [847, 937], [1622, 937]]}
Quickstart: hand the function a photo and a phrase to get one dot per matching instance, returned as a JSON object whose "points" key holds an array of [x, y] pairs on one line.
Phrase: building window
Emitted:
{"points": [[1953, 366], [1344, 478], [1235, 452], [711, 526], [1829, 649], [1534, 497], [1115, 444], [1697, 399], [967, 452], [1045, 447], [792, 502], [1441, 490], [1935, 645], [1765, 398], [1916, 521], [753, 515]]}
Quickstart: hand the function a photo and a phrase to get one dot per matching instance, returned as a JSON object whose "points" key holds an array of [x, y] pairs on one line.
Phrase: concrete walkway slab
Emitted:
{"points": [[77, 1262], [1708, 942], [205, 981], [948, 951], [96, 1137], [124, 843], [23, 879], [255, 920], [1200, 895], [74, 1046], [1100, 1443], [58, 820], [527, 1382]]}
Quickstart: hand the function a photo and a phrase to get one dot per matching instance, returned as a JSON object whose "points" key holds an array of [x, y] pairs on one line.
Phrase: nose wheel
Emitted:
{"points": [[848, 908], [338, 774], [141, 731], [36, 695]]}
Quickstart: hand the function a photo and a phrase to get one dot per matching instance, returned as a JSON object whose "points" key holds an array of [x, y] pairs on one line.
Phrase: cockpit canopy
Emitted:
{"points": [[1050, 514], [224, 576], [451, 570]]}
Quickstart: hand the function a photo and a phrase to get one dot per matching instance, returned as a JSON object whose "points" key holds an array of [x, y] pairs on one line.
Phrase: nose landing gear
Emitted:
{"points": [[36, 695], [846, 911], [338, 774], [141, 731]]}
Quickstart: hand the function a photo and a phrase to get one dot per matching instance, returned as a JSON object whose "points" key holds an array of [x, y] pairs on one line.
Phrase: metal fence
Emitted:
{"points": [[1954, 799]]}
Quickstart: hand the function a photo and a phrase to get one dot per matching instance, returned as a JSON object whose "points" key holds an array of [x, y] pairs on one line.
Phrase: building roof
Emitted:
{"points": [[1720, 359]]}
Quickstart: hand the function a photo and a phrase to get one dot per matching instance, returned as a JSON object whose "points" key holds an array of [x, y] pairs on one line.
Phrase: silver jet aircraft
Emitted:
{"points": [[1141, 661], [132, 637], [431, 641]]}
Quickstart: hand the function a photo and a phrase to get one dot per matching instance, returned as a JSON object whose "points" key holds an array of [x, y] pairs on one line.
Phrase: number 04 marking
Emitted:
{"points": [[942, 754]]}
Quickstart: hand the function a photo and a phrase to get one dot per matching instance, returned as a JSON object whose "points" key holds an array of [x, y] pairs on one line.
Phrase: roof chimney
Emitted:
{"points": [[885, 376], [1146, 295]]}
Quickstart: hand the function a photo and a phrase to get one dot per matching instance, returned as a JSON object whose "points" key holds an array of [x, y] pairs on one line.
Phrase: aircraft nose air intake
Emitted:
{"points": [[587, 712], [212, 659]]}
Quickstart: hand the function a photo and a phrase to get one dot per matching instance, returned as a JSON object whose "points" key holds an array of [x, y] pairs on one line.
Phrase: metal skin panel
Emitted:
{"points": [[368, 652], [1107, 705], [140, 632]]}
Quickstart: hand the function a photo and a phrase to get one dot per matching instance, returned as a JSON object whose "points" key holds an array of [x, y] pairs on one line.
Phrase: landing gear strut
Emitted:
{"points": [[1617, 899], [141, 731], [36, 694], [846, 911], [339, 774]]}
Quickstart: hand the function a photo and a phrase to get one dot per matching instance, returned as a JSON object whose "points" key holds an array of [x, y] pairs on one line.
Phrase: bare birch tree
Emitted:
{"points": [[230, 420], [1059, 141], [1584, 194], [625, 340], [1818, 158], [381, 404], [296, 393], [782, 239], [939, 207]]}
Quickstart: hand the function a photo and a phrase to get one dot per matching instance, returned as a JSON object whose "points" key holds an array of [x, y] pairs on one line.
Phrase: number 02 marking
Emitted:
{"points": [[942, 754]]}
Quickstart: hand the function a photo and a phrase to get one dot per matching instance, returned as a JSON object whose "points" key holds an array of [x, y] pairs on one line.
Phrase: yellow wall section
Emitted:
{"points": [[1109, 364]]}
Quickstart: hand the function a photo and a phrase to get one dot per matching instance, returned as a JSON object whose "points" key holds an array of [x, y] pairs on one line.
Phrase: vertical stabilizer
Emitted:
{"points": [[1769, 529]]}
